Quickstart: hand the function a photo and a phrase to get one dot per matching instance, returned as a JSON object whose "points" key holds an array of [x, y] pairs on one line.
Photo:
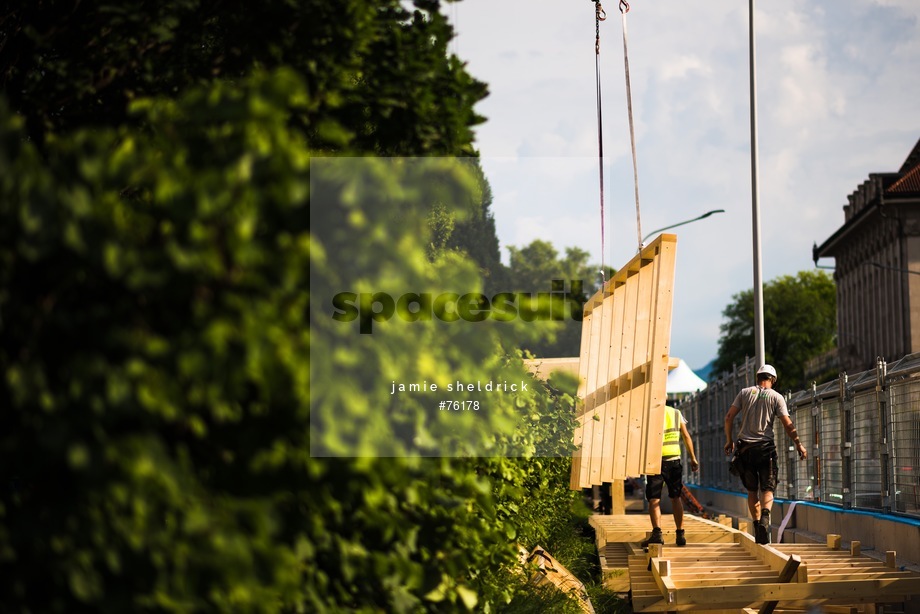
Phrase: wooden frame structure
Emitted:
{"points": [[721, 569], [623, 369]]}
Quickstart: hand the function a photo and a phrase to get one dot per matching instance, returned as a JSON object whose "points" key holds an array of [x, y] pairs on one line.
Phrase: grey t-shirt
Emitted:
{"points": [[759, 407]]}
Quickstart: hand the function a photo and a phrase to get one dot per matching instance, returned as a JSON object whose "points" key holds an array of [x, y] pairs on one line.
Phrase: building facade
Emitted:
{"points": [[877, 268]]}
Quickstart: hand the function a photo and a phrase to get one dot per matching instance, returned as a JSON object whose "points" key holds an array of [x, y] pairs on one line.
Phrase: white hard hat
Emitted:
{"points": [[768, 369]]}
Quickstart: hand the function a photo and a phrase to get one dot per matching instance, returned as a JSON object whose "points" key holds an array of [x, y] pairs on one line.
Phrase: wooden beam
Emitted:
{"points": [[661, 569], [878, 574], [618, 497], [891, 559], [850, 590], [788, 572], [785, 576]]}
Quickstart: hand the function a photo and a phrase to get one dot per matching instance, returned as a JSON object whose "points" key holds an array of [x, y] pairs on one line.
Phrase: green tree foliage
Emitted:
{"points": [[163, 393], [154, 407], [464, 517], [373, 69], [800, 322], [532, 269], [161, 411], [475, 235]]}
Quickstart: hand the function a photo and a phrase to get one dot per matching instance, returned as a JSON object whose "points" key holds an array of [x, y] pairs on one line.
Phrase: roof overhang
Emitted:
{"points": [[829, 248]]}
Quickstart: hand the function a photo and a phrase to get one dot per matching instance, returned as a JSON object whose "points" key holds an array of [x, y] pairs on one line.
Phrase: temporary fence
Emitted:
{"points": [[862, 433]]}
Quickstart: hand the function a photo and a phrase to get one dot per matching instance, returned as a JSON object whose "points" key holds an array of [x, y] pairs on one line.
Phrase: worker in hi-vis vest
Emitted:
{"points": [[675, 429]]}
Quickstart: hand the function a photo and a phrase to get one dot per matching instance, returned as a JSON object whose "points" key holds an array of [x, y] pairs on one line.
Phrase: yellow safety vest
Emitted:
{"points": [[671, 446]]}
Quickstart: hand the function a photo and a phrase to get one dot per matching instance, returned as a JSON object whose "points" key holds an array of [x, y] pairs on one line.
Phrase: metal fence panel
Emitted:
{"points": [[905, 418], [831, 468], [867, 475], [806, 475]]}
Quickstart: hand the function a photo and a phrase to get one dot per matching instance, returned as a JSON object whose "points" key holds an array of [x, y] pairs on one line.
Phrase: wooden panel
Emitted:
{"points": [[638, 431], [659, 355], [590, 455], [575, 482], [605, 310], [623, 368], [617, 301]]}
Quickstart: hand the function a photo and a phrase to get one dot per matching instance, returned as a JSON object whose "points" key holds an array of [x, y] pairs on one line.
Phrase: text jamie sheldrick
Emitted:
{"points": [[458, 386]]}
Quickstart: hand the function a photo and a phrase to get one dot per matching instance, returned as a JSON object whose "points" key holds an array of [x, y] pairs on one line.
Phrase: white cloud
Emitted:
{"points": [[837, 91], [682, 67]]}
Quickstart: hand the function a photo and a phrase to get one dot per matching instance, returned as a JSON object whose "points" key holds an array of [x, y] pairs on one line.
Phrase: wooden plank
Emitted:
{"points": [[609, 470], [873, 575], [583, 360], [600, 394], [725, 577], [589, 423], [660, 350], [864, 563], [745, 595], [637, 436], [584, 356], [832, 560], [575, 473], [733, 563], [628, 414], [682, 584]]}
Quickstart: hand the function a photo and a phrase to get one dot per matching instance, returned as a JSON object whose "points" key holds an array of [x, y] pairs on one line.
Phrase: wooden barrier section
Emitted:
{"points": [[623, 370]]}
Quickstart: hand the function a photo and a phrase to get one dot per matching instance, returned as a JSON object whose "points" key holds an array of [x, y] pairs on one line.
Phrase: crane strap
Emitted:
{"points": [[599, 16], [624, 8]]}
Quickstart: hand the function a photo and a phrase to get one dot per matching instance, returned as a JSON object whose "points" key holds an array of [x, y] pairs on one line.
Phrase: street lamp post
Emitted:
{"points": [[705, 215], [755, 200]]}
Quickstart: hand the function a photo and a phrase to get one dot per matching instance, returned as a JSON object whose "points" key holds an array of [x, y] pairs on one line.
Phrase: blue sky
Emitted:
{"points": [[838, 85]]}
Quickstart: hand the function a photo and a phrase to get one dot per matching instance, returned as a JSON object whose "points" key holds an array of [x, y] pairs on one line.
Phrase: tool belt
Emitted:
{"points": [[742, 449]]}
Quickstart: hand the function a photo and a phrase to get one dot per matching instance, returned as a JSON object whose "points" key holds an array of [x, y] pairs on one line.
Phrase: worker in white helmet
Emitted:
{"points": [[755, 451]]}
